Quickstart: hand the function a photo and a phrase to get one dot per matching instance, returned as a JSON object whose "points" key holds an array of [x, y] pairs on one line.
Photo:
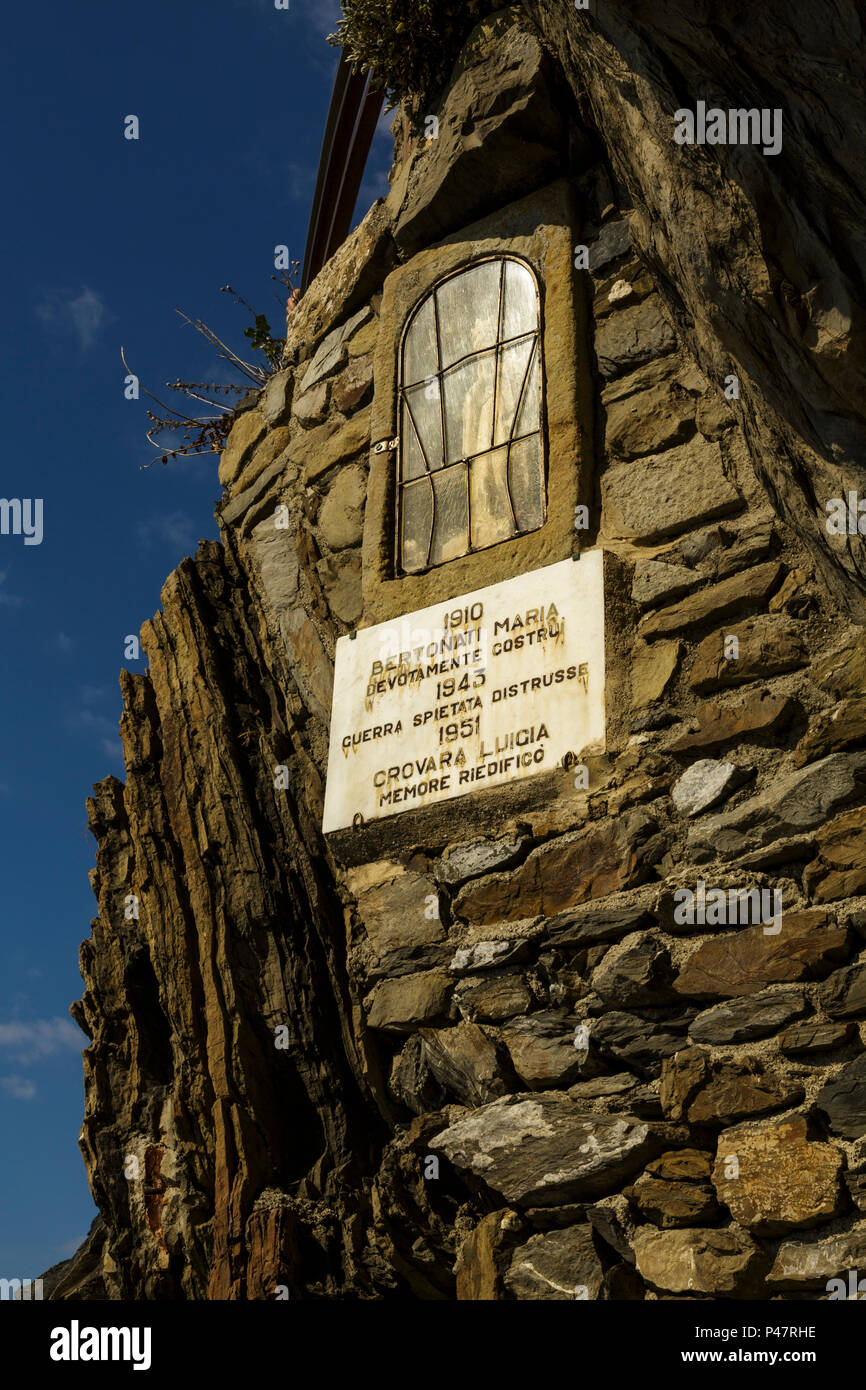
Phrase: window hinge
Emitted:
{"points": [[385, 445]]}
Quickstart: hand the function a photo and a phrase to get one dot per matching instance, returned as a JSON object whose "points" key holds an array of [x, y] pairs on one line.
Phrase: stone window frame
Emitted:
{"points": [[501, 258], [540, 230]]}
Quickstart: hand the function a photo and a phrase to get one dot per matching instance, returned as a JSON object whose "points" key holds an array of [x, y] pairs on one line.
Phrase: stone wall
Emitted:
{"points": [[510, 1067]]}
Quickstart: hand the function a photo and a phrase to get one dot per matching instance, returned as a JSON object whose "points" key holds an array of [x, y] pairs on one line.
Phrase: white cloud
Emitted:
{"points": [[92, 694], [103, 729], [173, 528], [40, 1038], [322, 15], [106, 731], [383, 126], [18, 1087], [84, 314], [87, 312]]}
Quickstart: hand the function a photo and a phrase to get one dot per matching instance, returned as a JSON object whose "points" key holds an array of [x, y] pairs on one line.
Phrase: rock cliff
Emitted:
{"points": [[480, 1050]]}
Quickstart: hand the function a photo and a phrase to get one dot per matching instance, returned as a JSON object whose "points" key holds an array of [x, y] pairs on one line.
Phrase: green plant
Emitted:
{"points": [[411, 45], [261, 341]]}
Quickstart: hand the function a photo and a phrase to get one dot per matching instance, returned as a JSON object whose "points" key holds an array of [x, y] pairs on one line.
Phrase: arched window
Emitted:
{"points": [[471, 470]]}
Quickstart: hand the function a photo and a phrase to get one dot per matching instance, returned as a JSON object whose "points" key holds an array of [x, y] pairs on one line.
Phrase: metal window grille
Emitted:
{"points": [[471, 459]]}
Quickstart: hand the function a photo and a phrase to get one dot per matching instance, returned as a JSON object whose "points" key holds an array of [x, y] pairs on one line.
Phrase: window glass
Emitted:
{"points": [[471, 463]]}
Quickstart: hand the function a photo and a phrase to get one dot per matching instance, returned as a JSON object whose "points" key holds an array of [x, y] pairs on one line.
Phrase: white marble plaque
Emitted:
{"points": [[487, 687]]}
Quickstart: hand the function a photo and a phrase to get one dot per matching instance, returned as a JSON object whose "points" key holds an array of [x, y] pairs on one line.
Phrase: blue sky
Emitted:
{"points": [[104, 238]]}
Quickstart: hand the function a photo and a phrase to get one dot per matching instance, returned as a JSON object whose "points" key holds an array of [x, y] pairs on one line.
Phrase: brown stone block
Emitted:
{"points": [[843, 672], [651, 671], [558, 875], [483, 1257], [244, 434], [671, 1204], [354, 386], [492, 1001], [767, 646], [321, 449], [689, 1262], [763, 713], [744, 962], [650, 421], [780, 1181], [749, 589], [706, 1092], [833, 729], [840, 868], [401, 1005], [265, 453]]}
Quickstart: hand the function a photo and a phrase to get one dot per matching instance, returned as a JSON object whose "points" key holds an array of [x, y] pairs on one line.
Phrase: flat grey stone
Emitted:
{"points": [[312, 407], [663, 494], [843, 995], [276, 397], [843, 1100], [655, 582], [741, 1020], [817, 1037], [484, 955], [631, 336], [556, 1265], [609, 920], [256, 500], [635, 973], [793, 804], [612, 242], [471, 861], [696, 547], [541, 1150], [702, 785], [630, 1041], [600, 1087], [332, 351], [803, 1264]]}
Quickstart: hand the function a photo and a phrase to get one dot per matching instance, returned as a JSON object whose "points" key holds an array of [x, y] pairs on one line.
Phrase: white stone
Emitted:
{"points": [[409, 729], [702, 785], [620, 289], [480, 956]]}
